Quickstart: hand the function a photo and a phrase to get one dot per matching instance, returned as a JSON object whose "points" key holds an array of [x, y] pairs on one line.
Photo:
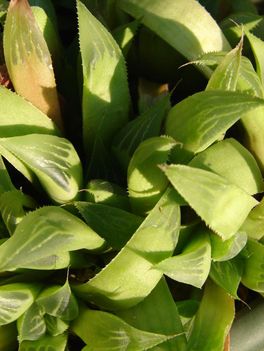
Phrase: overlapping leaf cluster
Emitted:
{"points": [[131, 206]]}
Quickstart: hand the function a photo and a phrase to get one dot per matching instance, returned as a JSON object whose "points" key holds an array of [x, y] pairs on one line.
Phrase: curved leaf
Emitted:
{"points": [[47, 343]]}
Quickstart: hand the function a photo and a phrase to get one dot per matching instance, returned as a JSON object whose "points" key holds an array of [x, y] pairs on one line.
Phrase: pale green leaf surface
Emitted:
{"points": [[15, 299], [228, 249], [145, 126], [105, 89], [52, 231], [227, 275], [47, 343], [212, 321], [12, 208], [116, 226], [163, 319], [192, 266], [125, 34], [58, 301], [103, 331], [257, 46], [145, 180], [226, 74], [222, 205], [55, 326], [20, 117], [254, 223], [174, 22], [200, 119], [253, 274], [31, 325], [129, 277], [231, 160], [52, 159]]}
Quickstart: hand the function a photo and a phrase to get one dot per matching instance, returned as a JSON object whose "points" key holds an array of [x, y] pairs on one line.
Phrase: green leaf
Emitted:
{"points": [[228, 249], [52, 231], [31, 325], [253, 274], [12, 208], [226, 74], [129, 277], [8, 336], [58, 301], [19, 117], [257, 46], [222, 205], [254, 223], [227, 275], [147, 125], [163, 319], [192, 266], [15, 299], [55, 326], [105, 89], [103, 331], [174, 23], [53, 160], [212, 321], [228, 158], [125, 34], [5, 180], [28, 59], [47, 343], [106, 193], [116, 226], [146, 182], [200, 119]]}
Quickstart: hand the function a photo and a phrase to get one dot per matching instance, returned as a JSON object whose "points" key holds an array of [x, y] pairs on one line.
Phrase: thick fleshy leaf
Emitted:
{"points": [[254, 223], [106, 193], [116, 226], [232, 161], [146, 182], [212, 321], [55, 326], [192, 266], [228, 249], [12, 208], [8, 336], [105, 89], [226, 74], [222, 205], [5, 180], [173, 21], [163, 319], [103, 331], [227, 275], [53, 160], [253, 274], [47, 343], [52, 231], [15, 299], [129, 277], [31, 325], [19, 117], [28, 60], [257, 46], [147, 125], [200, 119], [58, 301]]}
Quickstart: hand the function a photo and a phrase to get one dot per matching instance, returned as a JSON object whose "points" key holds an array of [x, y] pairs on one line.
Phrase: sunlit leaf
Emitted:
{"points": [[257, 46], [105, 99], [254, 223], [212, 321], [200, 119], [47, 343], [128, 278], [103, 331], [52, 231], [28, 60], [55, 326], [192, 266], [53, 160], [222, 205], [15, 299]]}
